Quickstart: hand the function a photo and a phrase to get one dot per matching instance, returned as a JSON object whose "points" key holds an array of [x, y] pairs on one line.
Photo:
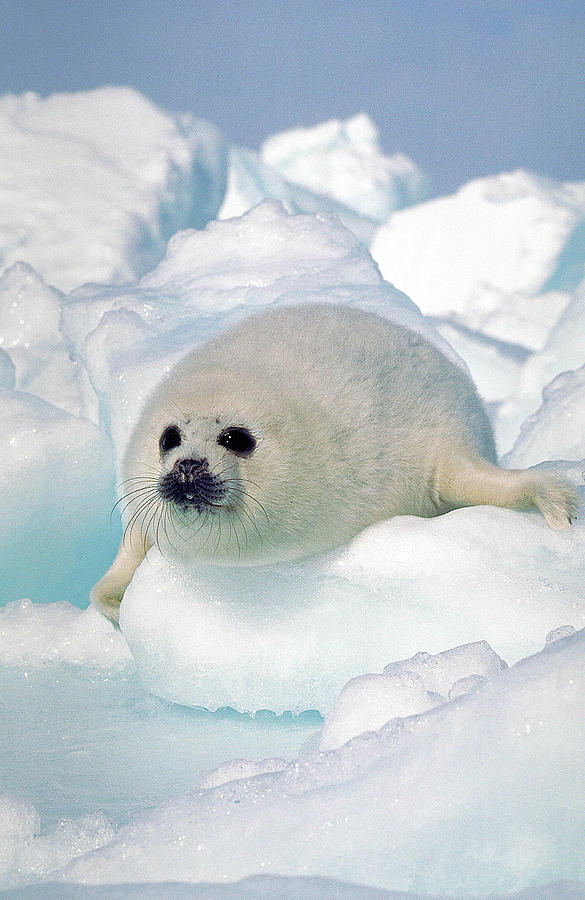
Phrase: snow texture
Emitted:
{"points": [[93, 184], [206, 636], [395, 807], [501, 256], [407, 688], [34, 634], [336, 167], [344, 161], [57, 487]]}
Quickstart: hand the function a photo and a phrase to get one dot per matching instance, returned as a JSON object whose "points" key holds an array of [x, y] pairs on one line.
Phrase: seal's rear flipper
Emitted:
{"points": [[467, 481]]}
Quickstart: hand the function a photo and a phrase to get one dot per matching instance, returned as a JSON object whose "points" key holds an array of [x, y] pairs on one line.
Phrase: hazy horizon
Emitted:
{"points": [[464, 89]]}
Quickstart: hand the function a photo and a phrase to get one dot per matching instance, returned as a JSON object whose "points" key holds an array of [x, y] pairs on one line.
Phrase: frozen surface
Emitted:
{"points": [[7, 371], [557, 429], [30, 333], [93, 184], [83, 748], [34, 634], [406, 688], [334, 167], [206, 636], [250, 180], [343, 160], [264, 887], [502, 255], [57, 488], [564, 351], [481, 794]]}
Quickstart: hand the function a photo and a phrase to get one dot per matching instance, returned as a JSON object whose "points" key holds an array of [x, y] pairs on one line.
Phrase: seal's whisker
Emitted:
{"points": [[149, 478], [217, 543], [153, 516], [244, 493], [157, 529], [210, 531], [243, 524], [123, 509], [169, 518], [142, 505], [143, 508], [235, 532], [251, 518], [141, 490]]}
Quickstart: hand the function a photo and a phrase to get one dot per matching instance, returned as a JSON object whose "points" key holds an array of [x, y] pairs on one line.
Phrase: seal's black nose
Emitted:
{"points": [[191, 484], [190, 468]]}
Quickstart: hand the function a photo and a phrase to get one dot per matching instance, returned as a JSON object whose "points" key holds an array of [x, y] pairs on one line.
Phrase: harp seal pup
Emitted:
{"points": [[292, 431]]}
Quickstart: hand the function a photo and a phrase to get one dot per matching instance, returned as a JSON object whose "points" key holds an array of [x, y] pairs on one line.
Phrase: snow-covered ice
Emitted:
{"points": [[557, 429], [482, 793], [207, 636], [250, 180], [335, 167], [343, 160], [450, 760], [93, 184], [501, 255], [57, 489], [406, 688], [30, 333]]}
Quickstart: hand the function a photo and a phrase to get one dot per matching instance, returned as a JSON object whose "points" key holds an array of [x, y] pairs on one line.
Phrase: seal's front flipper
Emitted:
{"points": [[108, 592], [471, 481]]}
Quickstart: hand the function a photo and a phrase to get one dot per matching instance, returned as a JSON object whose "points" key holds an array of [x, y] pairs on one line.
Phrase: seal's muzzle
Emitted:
{"points": [[191, 484]]}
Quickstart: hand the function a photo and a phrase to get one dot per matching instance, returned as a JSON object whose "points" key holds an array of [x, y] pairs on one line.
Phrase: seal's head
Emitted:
{"points": [[228, 469], [191, 483]]}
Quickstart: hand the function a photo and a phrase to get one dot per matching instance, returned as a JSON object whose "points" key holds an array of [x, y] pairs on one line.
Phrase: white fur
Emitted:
{"points": [[357, 419]]}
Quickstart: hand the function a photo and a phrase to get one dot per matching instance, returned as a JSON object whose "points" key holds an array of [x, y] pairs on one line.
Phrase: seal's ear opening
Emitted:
{"points": [[238, 440], [169, 439]]}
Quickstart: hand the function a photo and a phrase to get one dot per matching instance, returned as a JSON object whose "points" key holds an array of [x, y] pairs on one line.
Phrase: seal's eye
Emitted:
{"points": [[237, 439], [169, 439]]}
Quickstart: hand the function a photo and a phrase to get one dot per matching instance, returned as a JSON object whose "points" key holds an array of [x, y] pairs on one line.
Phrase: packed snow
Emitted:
{"points": [[445, 655], [501, 255], [499, 265], [336, 166], [207, 637], [345, 161], [485, 782], [93, 184]]}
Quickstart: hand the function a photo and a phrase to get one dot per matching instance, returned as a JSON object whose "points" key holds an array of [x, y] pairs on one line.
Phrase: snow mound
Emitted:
{"points": [[128, 338], [26, 854], [35, 634], [343, 160], [56, 484], [407, 688], [30, 333], [557, 429], [93, 184], [235, 769], [207, 636], [501, 256], [250, 180], [482, 794], [563, 351]]}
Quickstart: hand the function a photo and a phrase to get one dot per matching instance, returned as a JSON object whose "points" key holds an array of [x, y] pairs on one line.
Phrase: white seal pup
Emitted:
{"points": [[292, 431]]}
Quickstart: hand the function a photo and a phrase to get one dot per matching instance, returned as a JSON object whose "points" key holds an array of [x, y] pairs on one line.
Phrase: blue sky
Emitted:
{"points": [[464, 87]]}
